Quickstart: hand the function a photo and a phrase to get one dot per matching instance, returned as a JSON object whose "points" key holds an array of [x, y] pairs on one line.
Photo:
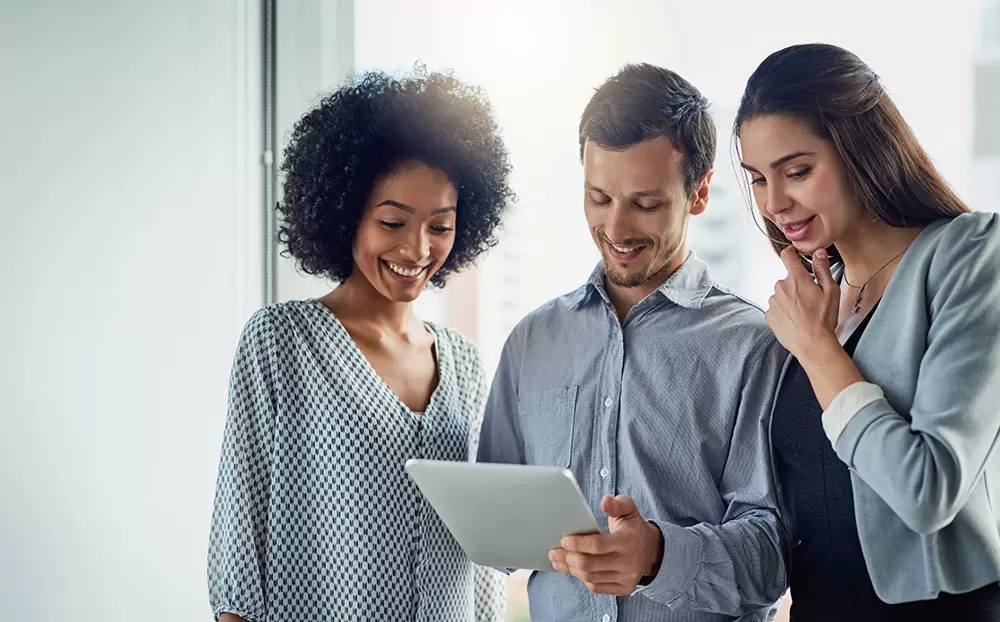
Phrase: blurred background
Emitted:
{"points": [[137, 162]]}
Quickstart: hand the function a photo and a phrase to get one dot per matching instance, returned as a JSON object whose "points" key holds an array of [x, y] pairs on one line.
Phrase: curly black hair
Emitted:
{"points": [[366, 129]]}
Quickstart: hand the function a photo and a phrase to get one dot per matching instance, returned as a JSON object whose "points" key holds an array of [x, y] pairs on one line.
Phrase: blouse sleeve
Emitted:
{"points": [[237, 571]]}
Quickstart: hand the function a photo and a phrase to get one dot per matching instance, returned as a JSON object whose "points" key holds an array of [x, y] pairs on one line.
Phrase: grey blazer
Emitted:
{"points": [[923, 459]]}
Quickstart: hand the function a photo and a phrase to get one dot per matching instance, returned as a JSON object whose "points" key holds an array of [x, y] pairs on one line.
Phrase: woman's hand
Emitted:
{"points": [[803, 313]]}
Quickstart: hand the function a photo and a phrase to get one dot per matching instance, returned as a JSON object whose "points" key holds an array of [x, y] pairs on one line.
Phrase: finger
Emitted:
{"points": [[596, 544], [790, 257], [585, 566], [821, 268], [597, 576], [619, 507], [558, 559]]}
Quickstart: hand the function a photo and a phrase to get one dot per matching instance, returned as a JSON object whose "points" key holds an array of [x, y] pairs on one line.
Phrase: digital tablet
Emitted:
{"points": [[504, 515]]}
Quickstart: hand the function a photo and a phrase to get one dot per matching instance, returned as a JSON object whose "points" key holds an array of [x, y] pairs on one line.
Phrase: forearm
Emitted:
{"points": [[490, 594], [229, 617], [732, 569], [830, 370]]}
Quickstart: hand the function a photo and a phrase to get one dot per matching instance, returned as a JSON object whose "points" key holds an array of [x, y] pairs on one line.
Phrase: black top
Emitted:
{"points": [[829, 579]]}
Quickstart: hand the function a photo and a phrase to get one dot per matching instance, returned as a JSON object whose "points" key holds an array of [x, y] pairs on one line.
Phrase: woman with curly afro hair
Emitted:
{"points": [[390, 184]]}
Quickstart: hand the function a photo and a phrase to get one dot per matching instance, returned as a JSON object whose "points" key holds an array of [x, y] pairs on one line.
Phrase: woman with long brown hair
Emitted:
{"points": [[885, 428]]}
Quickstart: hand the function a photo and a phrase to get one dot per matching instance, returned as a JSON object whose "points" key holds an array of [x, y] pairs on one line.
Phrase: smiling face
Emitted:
{"points": [[637, 209], [407, 230], [799, 182]]}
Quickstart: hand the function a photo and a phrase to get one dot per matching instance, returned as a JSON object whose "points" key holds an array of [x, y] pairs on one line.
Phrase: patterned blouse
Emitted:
{"points": [[315, 518]]}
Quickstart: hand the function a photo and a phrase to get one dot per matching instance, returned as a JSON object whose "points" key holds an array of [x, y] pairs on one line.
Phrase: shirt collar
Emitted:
{"points": [[687, 287]]}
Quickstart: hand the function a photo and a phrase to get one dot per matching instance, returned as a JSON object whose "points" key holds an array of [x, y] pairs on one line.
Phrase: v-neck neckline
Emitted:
{"points": [[439, 362]]}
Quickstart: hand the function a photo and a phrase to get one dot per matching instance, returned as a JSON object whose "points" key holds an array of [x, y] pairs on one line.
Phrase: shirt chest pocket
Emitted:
{"points": [[547, 417]]}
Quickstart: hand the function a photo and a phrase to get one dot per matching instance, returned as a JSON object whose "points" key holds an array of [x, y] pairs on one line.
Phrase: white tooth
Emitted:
{"points": [[401, 271]]}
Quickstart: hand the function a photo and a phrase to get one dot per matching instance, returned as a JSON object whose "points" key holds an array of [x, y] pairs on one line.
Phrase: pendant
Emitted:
{"points": [[857, 300]]}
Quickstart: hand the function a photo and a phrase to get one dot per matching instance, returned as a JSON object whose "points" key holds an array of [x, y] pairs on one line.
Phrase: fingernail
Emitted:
{"points": [[820, 253]]}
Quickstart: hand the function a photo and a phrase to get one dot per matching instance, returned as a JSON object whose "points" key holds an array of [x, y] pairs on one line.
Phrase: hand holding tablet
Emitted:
{"points": [[505, 515]]}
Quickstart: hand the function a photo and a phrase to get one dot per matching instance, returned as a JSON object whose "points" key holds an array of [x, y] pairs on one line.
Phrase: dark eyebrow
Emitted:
{"points": [[642, 193], [655, 194], [410, 210], [779, 161]]}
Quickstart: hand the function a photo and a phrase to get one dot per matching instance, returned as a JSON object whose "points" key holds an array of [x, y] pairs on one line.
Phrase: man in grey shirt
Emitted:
{"points": [[651, 383]]}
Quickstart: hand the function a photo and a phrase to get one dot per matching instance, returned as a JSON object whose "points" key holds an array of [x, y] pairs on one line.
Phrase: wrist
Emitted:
{"points": [[652, 567], [822, 349]]}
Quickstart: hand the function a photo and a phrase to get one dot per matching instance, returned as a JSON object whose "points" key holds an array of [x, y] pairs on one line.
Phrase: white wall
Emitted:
{"points": [[130, 245], [315, 52]]}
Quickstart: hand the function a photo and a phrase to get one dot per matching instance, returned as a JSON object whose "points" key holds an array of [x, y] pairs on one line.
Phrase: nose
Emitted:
{"points": [[417, 246], [618, 228], [778, 200]]}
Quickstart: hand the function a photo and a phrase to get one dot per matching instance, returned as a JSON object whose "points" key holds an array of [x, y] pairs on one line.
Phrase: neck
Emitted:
{"points": [[869, 248], [356, 301], [624, 298]]}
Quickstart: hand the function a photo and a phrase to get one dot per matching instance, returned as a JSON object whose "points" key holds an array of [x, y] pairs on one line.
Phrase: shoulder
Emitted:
{"points": [[966, 236], [463, 351], [553, 315], [958, 253], [737, 321], [282, 324]]}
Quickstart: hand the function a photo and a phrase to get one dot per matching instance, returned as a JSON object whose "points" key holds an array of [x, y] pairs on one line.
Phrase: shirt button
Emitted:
{"points": [[606, 618], [604, 472], [607, 404]]}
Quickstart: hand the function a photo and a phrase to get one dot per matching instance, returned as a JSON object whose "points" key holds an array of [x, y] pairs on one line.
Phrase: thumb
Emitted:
{"points": [[821, 268], [619, 507]]}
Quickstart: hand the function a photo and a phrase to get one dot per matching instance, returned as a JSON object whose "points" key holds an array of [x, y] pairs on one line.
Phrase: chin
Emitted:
{"points": [[634, 278], [403, 296], [808, 247]]}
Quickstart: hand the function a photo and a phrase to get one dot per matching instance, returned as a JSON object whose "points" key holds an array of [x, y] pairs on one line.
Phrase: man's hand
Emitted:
{"points": [[614, 562]]}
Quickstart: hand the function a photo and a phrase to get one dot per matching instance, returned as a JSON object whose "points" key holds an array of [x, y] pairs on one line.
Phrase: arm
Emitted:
{"points": [[489, 585], [490, 594], [737, 566], [500, 439], [925, 466], [237, 543]]}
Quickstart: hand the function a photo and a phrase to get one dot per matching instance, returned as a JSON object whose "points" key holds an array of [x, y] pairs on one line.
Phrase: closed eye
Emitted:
{"points": [[390, 225], [800, 173], [442, 228]]}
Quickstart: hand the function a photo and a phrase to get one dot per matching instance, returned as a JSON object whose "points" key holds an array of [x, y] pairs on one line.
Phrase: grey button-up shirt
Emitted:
{"points": [[671, 407]]}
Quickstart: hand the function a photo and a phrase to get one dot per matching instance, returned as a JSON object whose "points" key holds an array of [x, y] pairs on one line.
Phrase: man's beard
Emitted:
{"points": [[637, 278], [640, 276]]}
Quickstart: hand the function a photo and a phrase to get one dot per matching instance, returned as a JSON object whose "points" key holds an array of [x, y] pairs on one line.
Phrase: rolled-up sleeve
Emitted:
{"points": [[737, 566]]}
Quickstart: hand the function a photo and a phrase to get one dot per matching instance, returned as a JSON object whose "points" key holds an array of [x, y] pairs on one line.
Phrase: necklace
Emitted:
{"points": [[861, 290]]}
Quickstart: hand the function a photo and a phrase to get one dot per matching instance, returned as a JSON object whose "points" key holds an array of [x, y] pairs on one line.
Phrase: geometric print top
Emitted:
{"points": [[315, 518]]}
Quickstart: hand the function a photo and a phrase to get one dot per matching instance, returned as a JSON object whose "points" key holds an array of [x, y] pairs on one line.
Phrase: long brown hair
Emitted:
{"points": [[843, 101]]}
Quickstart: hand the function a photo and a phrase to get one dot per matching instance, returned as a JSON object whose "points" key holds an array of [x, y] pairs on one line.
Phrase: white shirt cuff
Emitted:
{"points": [[848, 403]]}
